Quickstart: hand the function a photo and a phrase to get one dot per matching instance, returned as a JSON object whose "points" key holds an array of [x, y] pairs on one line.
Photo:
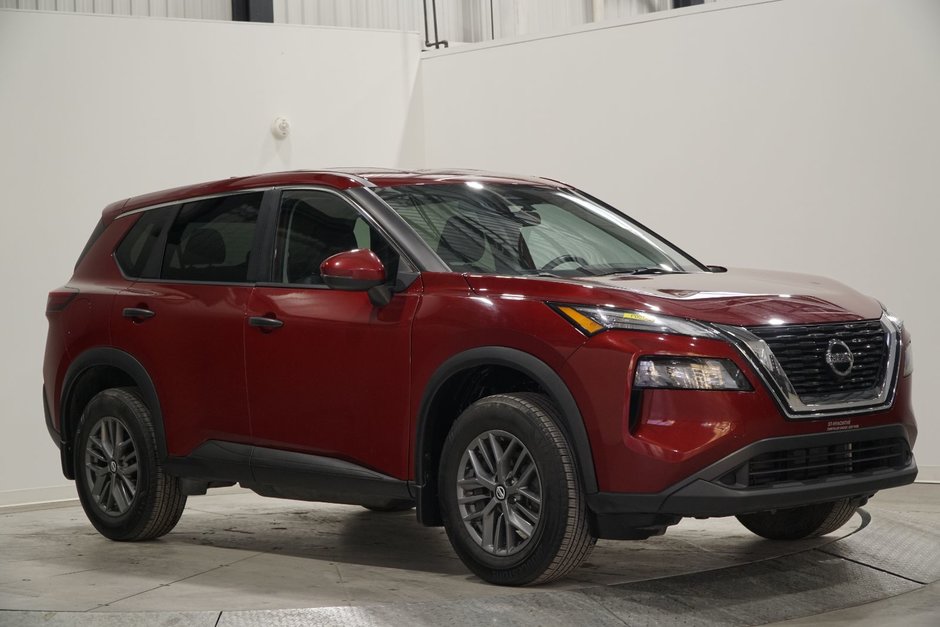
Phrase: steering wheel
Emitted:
{"points": [[561, 259]]}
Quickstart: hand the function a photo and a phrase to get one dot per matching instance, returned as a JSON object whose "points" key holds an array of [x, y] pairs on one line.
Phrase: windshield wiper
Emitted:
{"points": [[650, 270]]}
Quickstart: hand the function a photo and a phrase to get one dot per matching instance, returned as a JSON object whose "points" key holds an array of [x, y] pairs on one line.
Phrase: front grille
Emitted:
{"points": [[806, 464], [801, 352]]}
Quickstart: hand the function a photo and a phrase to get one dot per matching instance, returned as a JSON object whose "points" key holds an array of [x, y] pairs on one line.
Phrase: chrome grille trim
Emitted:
{"points": [[762, 359]]}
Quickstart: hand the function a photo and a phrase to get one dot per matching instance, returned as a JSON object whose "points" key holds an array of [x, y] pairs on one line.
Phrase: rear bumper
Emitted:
{"points": [[56, 437], [707, 492]]}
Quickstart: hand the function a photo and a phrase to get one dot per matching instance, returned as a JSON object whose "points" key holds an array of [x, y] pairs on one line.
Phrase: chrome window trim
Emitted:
{"points": [[183, 201], [762, 360], [361, 210]]}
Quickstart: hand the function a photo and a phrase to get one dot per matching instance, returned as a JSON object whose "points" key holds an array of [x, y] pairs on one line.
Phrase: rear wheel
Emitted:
{"points": [[800, 522], [122, 487], [512, 502]]}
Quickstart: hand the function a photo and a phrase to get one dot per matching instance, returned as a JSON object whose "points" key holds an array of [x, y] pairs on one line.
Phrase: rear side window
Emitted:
{"points": [[211, 240], [99, 229], [140, 248]]}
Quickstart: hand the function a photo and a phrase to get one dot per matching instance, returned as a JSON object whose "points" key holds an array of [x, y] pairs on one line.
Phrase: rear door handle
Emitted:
{"points": [[265, 323], [137, 313]]}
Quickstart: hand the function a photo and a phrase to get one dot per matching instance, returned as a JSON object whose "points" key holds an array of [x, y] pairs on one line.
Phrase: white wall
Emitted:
{"points": [[797, 135], [94, 109]]}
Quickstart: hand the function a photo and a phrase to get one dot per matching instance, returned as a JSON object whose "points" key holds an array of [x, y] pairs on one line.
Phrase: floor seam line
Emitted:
{"points": [[170, 583], [217, 619], [608, 610], [881, 570]]}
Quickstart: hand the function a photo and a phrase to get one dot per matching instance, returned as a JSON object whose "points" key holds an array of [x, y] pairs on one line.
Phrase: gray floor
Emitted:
{"points": [[238, 559]]}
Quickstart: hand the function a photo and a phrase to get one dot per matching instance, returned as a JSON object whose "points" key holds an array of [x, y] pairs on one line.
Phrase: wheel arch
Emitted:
{"points": [[92, 371], [428, 437]]}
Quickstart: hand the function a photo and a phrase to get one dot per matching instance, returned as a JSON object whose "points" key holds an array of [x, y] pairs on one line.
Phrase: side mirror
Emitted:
{"points": [[717, 268], [357, 271], [353, 271]]}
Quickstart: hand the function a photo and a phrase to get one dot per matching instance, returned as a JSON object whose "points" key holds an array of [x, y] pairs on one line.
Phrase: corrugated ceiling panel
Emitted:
{"points": [[192, 9]]}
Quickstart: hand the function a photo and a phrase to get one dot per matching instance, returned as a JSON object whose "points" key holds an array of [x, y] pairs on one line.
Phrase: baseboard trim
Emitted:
{"points": [[34, 496], [928, 474]]}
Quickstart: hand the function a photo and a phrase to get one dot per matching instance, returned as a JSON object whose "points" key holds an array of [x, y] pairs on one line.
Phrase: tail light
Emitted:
{"points": [[60, 298]]}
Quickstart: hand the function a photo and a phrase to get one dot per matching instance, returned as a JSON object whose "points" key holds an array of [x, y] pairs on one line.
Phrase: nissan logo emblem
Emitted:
{"points": [[840, 358]]}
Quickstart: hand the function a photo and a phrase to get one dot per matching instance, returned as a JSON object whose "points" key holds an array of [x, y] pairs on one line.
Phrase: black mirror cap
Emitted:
{"points": [[717, 268]]}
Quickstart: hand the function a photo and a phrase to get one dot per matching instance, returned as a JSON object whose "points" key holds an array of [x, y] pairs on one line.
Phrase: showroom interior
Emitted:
{"points": [[790, 135]]}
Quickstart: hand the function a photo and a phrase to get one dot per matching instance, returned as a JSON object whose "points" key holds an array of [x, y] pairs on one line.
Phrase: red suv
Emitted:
{"points": [[527, 365]]}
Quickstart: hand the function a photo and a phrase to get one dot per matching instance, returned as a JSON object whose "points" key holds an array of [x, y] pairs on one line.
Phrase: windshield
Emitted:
{"points": [[510, 229]]}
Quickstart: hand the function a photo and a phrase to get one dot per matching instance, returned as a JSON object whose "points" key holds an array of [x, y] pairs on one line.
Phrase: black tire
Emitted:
{"points": [[797, 523], [394, 505], [560, 539], [156, 503]]}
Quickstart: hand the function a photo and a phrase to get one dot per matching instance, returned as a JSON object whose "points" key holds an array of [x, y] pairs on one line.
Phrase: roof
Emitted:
{"points": [[337, 178]]}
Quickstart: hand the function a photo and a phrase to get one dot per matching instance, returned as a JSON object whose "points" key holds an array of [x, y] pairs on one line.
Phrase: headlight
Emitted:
{"points": [[689, 373], [908, 359], [591, 320]]}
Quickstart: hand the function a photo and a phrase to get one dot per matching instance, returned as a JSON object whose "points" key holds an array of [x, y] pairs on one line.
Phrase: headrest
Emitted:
{"points": [[461, 242], [204, 247]]}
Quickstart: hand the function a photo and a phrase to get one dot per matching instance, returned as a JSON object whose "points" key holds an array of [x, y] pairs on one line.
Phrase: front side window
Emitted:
{"points": [[315, 225], [524, 229], [211, 240]]}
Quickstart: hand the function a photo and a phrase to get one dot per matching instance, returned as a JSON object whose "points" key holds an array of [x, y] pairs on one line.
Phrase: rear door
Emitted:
{"points": [[184, 317], [333, 378]]}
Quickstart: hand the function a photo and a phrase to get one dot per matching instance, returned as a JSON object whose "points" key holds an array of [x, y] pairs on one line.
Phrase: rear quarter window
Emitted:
{"points": [[139, 252], [99, 229]]}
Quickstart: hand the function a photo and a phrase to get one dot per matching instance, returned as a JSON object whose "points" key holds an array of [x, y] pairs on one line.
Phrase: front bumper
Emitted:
{"points": [[714, 491]]}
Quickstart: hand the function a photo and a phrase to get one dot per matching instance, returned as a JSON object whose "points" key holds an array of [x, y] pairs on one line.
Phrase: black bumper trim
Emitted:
{"points": [[55, 435], [699, 495]]}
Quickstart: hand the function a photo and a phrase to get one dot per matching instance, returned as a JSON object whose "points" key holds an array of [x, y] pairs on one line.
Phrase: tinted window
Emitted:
{"points": [[140, 245], [211, 240], [99, 229], [315, 225]]}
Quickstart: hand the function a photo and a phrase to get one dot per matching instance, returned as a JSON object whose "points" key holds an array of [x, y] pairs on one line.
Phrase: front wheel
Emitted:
{"points": [[121, 484], [512, 502], [797, 523]]}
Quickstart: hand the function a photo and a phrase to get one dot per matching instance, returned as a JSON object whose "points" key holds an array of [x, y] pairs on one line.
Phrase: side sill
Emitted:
{"points": [[284, 474]]}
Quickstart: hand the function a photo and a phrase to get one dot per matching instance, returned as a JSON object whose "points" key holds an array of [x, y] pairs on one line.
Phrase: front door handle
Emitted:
{"points": [[265, 323], [137, 313]]}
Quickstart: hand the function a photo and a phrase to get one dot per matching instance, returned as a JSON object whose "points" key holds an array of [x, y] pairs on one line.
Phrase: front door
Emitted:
{"points": [[332, 378]]}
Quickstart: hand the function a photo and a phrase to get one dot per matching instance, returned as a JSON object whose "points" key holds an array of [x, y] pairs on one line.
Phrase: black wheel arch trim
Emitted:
{"points": [[572, 423], [120, 360]]}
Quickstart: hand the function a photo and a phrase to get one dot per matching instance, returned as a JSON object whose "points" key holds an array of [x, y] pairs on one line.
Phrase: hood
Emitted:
{"points": [[737, 297]]}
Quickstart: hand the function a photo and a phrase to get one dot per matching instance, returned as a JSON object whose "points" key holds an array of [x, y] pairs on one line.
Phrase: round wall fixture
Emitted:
{"points": [[281, 127]]}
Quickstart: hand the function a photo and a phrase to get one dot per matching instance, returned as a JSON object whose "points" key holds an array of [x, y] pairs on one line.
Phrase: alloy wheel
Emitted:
{"points": [[111, 471], [499, 493]]}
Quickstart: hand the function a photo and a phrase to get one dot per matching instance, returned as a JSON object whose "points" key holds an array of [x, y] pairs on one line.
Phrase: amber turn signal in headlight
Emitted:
{"points": [[591, 320]]}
